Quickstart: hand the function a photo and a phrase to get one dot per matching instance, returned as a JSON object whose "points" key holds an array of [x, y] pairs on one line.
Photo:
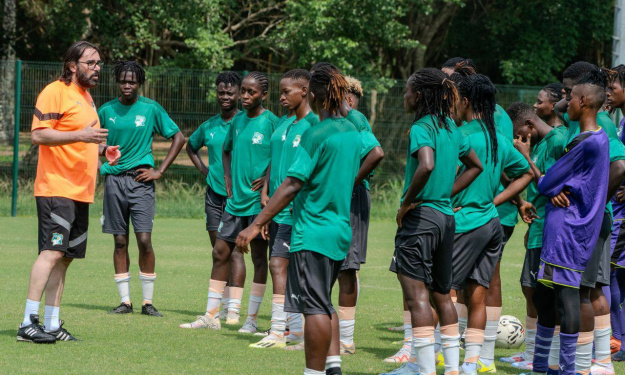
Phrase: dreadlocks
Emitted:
{"points": [[129, 66], [437, 97], [355, 87], [480, 92], [261, 78], [464, 68], [454, 61], [328, 84], [617, 74], [228, 78]]}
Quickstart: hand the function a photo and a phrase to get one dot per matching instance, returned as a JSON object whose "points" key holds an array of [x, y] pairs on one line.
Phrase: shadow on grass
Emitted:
{"points": [[182, 312], [9, 332], [385, 327], [380, 353], [104, 308]]}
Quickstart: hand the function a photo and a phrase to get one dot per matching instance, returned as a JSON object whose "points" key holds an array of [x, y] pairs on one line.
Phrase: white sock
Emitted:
{"points": [[530, 344], [295, 323], [487, 354], [147, 283], [424, 352], [278, 315], [234, 305], [602, 340], [51, 318], [474, 339], [224, 299], [215, 292], [462, 325], [256, 298], [450, 345], [407, 332], [583, 353], [123, 286], [437, 338], [554, 351], [333, 361], [346, 328], [308, 371], [32, 308]]}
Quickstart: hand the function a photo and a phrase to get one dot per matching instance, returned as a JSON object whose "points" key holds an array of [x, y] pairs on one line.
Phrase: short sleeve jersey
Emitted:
{"points": [[70, 170], [327, 161], [249, 140], [277, 141], [369, 141], [544, 154], [477, 199], [448, 146], [132, 127], [212, 134], [507, 211]]}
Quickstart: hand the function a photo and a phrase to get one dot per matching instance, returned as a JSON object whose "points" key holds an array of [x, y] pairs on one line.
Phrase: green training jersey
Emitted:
{"points": [[477, 199], [277, 141], [212, 133], [249, 140], [369, 141], [508, 214], [544, 154], [448, 146], [132, 127], [327, 161]]}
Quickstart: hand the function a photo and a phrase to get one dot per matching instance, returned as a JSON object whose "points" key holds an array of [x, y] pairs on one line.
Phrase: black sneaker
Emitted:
{"points": [[61, 334], [150, 310], [34, 333], [122, 309]]}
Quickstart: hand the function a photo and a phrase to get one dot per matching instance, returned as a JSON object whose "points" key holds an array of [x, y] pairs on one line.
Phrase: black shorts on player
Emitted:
{"points": [[126, 199], [424, 246], [214, 206], [531, 265], [359, 219], [279, 240], [309, 282], [230, 226], [598, 269], [507, 234], [476, 253], [63, 225]]}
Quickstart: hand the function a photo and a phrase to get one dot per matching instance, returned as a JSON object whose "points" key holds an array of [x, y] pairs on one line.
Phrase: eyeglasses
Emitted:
{"points": [[92, 63]]}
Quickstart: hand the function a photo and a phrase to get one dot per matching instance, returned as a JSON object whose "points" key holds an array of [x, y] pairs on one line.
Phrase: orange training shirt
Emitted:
{"points": [[70, 170]]}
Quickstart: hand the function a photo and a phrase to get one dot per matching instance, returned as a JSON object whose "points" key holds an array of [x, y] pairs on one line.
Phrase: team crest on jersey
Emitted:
{"points": [[57, 239], [296, 140], [257, 139], [534, 159], [139, 121]]}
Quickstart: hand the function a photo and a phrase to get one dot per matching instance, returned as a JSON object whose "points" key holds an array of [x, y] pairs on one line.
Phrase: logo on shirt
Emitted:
{"points": [[257, 138], [112, 119], [212, 135], [57, 239], [139, 121], [284, 136], [293, 296], [296, 140]]}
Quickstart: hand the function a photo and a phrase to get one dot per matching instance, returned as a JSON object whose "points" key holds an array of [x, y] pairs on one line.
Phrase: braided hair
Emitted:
{"points": [[438, 95], [480, 92], [261, 78], [228, 78], [554, 91], [129, 66], [465, 69], [328, 84], [454, 61]]}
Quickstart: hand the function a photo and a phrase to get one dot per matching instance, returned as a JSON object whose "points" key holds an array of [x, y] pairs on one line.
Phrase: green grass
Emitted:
{"points": [[139, 344]]}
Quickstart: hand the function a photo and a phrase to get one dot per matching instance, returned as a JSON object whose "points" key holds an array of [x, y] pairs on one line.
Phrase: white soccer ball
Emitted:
{"points": [[510, 333]]}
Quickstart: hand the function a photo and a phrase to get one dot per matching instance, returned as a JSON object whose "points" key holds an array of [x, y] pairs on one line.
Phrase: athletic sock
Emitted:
{"points": [[295, 323], [215, 292], [437, 338], [450, 345], [278, 316], [602, 340], [123, 286], [463, 315], [32, 308], [147, 284], [487, 355], [554, 350], [51, 318], [530, 338], [234, 303], [333, 361], [308, 371], [224, 299], [473, 341], [544, 335], [568, 342], [256, 298], [582, 351], [346, 324], [423, 347]]}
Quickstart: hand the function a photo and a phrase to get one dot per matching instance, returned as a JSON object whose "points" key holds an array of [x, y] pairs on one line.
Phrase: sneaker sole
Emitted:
{"points": [[232, 322], [21, 339], [268, 346]]}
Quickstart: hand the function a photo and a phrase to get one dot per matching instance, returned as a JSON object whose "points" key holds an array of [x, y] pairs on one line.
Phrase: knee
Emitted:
{"points": [[276, 267], [220, 253], [121, 245], [528, 293], [51, 256], [145, 244]]}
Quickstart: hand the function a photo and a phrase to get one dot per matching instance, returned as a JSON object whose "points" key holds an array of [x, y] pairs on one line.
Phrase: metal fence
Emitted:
{"points": [[189, 98]]}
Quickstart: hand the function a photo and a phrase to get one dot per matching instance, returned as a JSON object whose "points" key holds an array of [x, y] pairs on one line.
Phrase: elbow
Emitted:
{"points": [[36, 138], [379, 153], [427, 167]]}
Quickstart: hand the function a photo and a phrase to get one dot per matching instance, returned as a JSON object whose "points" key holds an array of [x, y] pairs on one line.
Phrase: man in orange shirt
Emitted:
{"points": [[67, 130]]}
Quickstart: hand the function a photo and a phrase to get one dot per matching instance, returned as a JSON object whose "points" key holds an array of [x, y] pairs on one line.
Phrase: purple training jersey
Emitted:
{"points": [[570, 233], [619, 208]]}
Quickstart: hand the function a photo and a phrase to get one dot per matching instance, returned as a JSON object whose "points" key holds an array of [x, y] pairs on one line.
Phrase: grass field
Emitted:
{"points": [[139, 344]]}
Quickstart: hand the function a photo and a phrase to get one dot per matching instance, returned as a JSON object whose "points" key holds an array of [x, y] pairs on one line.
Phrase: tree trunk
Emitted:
{"points": [[7, 74]]}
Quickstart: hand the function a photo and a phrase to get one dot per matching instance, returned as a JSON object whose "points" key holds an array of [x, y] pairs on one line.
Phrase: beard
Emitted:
{"points": [[87, 78]]}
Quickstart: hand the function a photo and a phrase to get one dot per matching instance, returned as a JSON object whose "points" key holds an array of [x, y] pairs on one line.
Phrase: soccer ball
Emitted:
{"points": [[510, 333]]}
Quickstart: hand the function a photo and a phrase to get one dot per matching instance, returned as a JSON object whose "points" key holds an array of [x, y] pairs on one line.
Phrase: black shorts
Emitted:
{"points": [[309, 281], [507, 233], [214, 206], [424, 246], [531, 265], [126, 199], [230, 226], [63, 225], [279, 240], [598, 269], [359, 218], [476, 254]]}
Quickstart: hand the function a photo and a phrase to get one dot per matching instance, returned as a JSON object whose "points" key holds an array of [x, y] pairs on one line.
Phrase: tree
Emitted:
{"points": [[7, 73]]}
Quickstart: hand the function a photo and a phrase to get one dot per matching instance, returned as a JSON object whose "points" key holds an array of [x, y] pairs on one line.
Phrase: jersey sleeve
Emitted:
{"points": [[515, 163], [465, 146], [229, 140], [563, 171], [196, 140], [164, 126], [419, 138], [48, 109], [369, 142], [617, 151], [303, 163]]}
